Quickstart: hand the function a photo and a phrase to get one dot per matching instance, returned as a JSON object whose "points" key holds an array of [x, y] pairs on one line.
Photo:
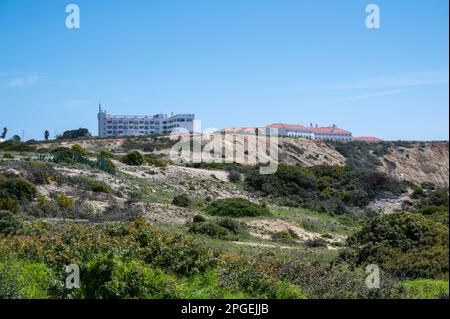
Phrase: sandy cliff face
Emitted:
{"points": [[417, 161], [420, 163]]}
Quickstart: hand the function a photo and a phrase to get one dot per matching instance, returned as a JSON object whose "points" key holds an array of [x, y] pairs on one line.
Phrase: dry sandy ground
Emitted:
{"points": [[167, 214], [172, 172], [264, 228], [390, 204]]}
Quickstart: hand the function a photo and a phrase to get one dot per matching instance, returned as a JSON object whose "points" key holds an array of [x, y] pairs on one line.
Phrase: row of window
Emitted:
{"points": [[146, 127], [134, 122]]}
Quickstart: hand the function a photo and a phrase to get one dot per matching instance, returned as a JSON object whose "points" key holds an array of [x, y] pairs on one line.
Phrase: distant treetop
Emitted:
{"points": [[74, 134]]}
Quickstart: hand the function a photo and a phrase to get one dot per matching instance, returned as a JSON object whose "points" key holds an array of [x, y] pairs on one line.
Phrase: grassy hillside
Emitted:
{"points": [[140, 227]]}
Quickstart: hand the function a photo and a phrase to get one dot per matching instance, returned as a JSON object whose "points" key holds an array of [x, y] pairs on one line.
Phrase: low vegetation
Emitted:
{"points": [[332, 189], [236, 207], [169, 232], [404, 245]]}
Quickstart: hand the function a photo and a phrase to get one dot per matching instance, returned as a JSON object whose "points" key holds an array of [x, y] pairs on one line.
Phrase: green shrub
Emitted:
{"points": [[10, 224], [69, 156], [133, 159], [106, 154], [337, 281], [234, 176], [231, 224], [206, 285], [316, 243], [286, 236], [23, 280], [74, 134], [236, 207], [100, 187], [18, 188], [9, 204], [182, 200], [425, 289], [90, 184], [8, 156], [105, 164], [65, 201], [438, 214], [210, 229], [198, 219], [14, 146], [331, 189], [180, 255], [153, 160], [112, 277], [405, 245], [40, 173], [286, 290], [79, 149]]}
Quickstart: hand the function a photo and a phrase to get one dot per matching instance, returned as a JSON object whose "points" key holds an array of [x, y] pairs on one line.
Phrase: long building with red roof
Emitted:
{"points": [[313, 132]]}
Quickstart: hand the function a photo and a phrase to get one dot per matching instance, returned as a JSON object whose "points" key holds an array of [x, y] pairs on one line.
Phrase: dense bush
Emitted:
{"points": [[100, 187], [10, 224], [286, 236], [154, 160], [9, 204], [23, 280], [316, 242], [74, 134], [232, 225], [70, 156], [222, 228], [236, 207], [332, 189], [335, 281], [134, 159], [210, 229], [105, 164], [198, 219], [425, 289], [18, 188], [13, 146], [79, 149], [62, 206], [182, 200], [89, 184], [234, 176], [405, 245], [136, 260], [109, 276]]}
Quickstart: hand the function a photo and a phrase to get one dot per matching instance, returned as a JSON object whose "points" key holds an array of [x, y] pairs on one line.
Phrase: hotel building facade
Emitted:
{"points": [[135, 125]]}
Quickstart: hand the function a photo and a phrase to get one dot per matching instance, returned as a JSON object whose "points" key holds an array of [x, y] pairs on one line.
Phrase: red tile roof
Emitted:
{"points": [[240, 129], [282, 125], [367, 139], [327, 130], [323, 130]]}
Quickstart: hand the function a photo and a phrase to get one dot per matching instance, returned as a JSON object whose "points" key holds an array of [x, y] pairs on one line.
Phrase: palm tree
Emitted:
{"points": [[5, 130]]}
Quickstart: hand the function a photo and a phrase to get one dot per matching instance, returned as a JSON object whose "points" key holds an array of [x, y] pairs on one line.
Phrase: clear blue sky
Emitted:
{"points": [[231, 62]]}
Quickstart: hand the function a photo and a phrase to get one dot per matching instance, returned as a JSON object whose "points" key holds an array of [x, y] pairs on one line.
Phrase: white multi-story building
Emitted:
{"points": [[132, 125]]}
